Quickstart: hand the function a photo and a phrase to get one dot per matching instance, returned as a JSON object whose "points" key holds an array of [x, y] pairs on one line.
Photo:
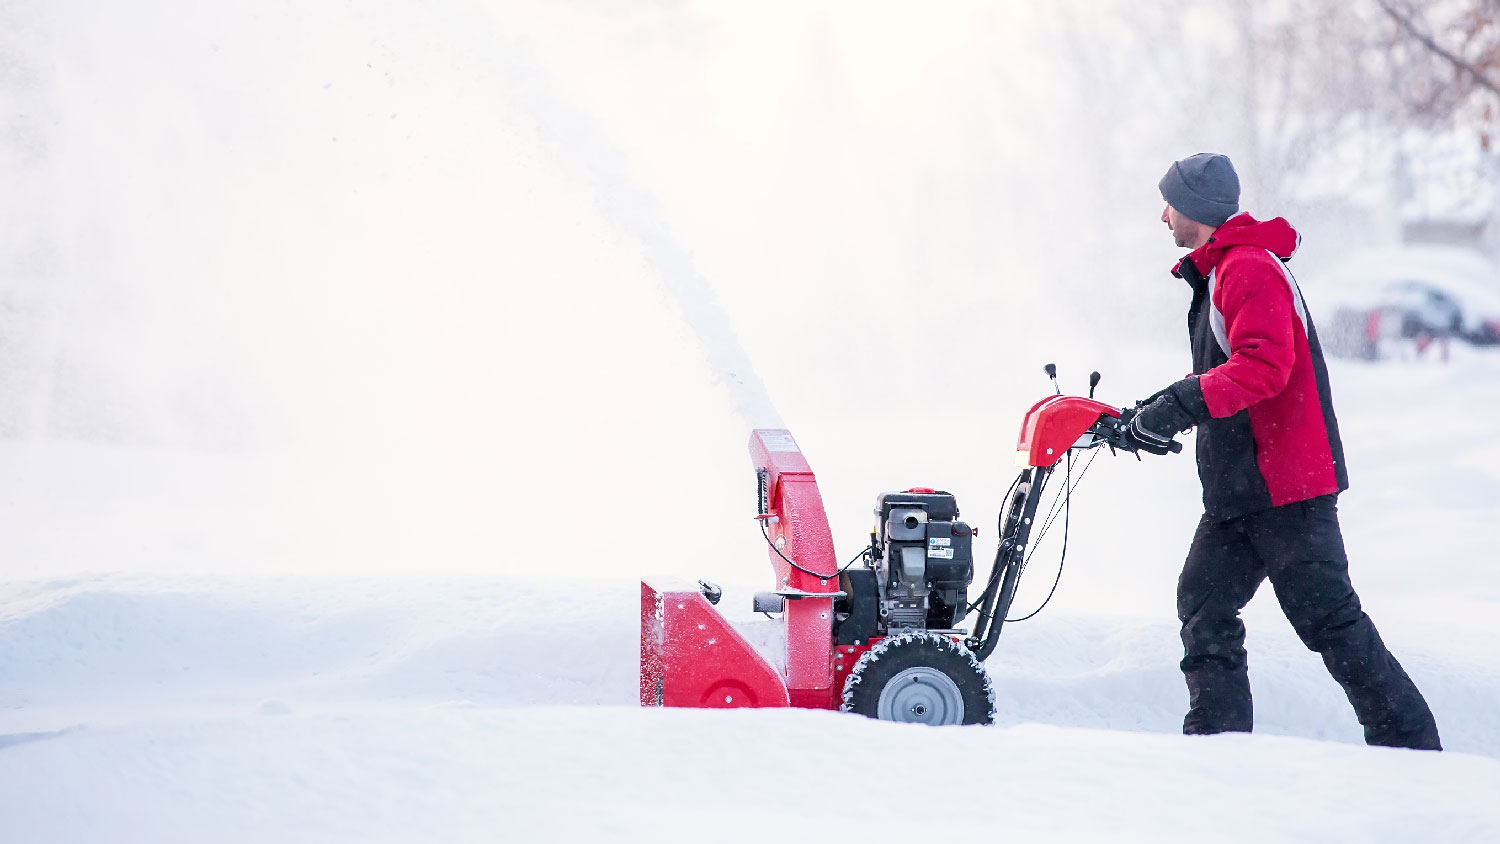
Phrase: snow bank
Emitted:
{"points": [[393, 709], [560, 774]]}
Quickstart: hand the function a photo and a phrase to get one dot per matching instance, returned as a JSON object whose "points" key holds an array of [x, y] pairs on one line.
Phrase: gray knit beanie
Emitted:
{"points": [[1203, 187]]}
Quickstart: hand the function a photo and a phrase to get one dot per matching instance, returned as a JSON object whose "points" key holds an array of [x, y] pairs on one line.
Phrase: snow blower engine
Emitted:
{"points": [[879, 636]]}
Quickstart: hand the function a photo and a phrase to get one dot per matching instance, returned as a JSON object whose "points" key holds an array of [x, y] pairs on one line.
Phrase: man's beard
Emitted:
{"points": [[1180, 238]]}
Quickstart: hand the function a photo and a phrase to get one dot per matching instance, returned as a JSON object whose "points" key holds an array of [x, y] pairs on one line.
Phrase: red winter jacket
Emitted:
{"points": [[1271, 438]]}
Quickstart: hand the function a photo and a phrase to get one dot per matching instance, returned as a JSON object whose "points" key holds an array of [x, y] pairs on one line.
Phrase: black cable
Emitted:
{"points": [[767, 534], [762, 505], [1057, 504], [1067, 514], [1000, 529], [867, 551], [1067, 490], [1064, 500], [864, 552]]}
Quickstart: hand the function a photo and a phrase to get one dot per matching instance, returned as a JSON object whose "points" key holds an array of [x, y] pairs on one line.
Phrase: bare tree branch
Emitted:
{"points": [[1431, 44]]}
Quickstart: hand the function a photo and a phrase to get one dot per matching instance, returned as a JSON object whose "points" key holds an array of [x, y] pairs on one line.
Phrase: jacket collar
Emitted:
{"points": [[1275, 235]]}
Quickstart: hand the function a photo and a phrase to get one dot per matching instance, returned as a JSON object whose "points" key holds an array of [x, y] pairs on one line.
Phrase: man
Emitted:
{"points": [[1271, 464]]}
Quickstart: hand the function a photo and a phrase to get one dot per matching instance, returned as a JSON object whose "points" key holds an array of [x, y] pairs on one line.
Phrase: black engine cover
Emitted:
{"points": [[944, 545], [940, 506]]}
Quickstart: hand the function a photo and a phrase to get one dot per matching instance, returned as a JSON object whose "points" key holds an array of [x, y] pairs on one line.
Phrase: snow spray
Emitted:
{"points": [[584, 149]]}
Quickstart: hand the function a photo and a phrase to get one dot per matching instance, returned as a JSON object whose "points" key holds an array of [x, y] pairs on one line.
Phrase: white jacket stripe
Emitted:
{"points": [[1216, 316]]}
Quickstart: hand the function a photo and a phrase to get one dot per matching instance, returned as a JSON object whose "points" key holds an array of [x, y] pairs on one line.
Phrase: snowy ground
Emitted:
{"points": [[163, 705]]}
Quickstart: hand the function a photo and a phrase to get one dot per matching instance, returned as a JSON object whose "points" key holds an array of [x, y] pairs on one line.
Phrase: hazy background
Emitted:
{"points": [[464, 285]]}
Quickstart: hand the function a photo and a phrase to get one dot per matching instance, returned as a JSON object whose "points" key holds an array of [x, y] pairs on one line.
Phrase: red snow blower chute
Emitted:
{"points": [[880, 638]]}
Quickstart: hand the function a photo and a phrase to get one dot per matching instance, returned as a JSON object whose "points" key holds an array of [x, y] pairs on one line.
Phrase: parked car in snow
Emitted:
{"points": [[1414, 294]]}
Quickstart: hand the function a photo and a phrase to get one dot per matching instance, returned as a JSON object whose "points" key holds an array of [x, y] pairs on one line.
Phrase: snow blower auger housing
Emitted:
{"points": [[879, 638]]}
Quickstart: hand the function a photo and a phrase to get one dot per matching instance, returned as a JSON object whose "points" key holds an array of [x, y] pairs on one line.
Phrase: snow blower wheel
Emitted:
{"points": [[920, 678]]}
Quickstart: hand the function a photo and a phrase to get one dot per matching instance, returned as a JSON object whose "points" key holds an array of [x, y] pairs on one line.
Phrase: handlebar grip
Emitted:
{"points": [[1176, 447]]}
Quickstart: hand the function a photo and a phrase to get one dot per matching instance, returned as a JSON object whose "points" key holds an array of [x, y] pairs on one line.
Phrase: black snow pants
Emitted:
{"points": [[1299, 547]]}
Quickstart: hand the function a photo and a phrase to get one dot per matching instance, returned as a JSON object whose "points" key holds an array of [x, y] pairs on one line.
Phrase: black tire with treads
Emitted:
{"points": [[922, 677]]}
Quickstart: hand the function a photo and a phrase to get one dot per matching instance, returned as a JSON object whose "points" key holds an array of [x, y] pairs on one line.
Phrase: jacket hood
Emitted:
{"points": [[1275, 235]]}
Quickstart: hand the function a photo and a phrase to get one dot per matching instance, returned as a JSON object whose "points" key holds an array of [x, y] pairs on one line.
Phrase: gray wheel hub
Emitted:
{"points": [[921, 695]]}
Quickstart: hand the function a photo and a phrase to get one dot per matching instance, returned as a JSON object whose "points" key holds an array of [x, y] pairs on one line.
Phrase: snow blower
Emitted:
{"points": [[880, 638]]}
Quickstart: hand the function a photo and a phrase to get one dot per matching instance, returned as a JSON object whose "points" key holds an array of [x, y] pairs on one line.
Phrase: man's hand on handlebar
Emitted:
{"points": [[1128, 434], [1142, 438], [1152, 423]]}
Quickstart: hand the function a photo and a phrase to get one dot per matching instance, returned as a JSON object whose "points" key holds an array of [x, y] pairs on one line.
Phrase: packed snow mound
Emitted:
{"points": [[240, 641], [466, 708], [134, 641], [460, 773]]}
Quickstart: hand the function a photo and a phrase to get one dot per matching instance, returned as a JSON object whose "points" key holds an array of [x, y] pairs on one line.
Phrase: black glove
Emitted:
{"points": [[1136, 437], [1116, 432], [1152, 424]]}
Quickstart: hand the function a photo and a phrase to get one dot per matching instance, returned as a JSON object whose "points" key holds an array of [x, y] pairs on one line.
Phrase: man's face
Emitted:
{"points": [[1184, 231]]}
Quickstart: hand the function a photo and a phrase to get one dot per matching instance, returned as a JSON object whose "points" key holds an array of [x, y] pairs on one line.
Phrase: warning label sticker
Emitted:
{"points": [[939, 540], [780, 442]]}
